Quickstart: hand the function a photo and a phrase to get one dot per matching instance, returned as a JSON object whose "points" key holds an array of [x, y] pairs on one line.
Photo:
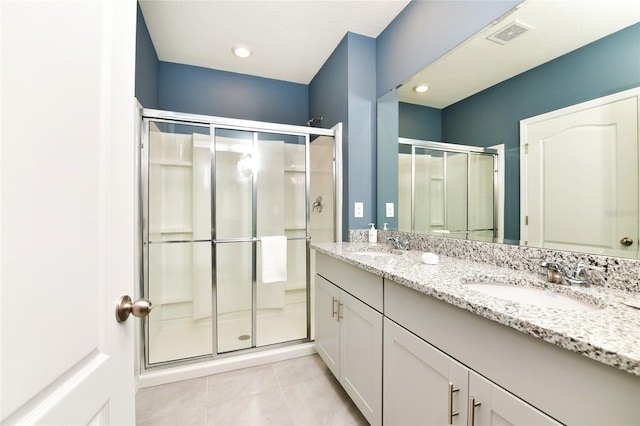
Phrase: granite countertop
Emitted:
{"points": [[610, 334]]}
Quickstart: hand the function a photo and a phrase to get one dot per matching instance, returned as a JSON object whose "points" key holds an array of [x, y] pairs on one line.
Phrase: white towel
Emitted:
{"points": [[274, 259]]}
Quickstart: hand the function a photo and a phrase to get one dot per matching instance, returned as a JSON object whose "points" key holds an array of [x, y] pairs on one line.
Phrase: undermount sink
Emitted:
{"points": [[377, 252], [531, 296]]}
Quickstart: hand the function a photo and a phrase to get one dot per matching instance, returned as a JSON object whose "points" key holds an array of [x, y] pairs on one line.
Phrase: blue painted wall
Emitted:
{"points": [[329, 90], [362, 127], [146, 65], [491, 117], [427, 29], [419, 122], [197, 90], [344, 91]]}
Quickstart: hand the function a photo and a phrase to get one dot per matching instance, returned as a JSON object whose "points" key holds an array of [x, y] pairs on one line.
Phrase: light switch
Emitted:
{"points": [[358, 210], [389, 209]]}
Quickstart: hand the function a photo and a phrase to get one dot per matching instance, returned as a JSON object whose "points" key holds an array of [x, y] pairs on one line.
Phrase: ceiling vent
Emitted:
{"points": [[509, 32]]}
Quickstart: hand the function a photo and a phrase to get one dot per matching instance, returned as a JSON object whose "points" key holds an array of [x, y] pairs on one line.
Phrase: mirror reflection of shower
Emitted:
{"points": [[314, 122], [448, 189]]}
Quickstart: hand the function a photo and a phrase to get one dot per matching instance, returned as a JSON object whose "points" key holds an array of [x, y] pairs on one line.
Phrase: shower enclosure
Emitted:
{"points": [[212, 190]]}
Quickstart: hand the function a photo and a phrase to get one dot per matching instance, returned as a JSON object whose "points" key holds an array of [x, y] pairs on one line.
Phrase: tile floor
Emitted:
{"points": [[300, 391]]}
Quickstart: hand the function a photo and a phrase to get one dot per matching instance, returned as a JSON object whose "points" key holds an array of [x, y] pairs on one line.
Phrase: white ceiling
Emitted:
{"points": [[291, 40], [559, 27]]}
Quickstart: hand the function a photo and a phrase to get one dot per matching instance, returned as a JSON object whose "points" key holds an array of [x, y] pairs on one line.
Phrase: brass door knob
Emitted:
{"points": [[140, 308], [626, 241]]}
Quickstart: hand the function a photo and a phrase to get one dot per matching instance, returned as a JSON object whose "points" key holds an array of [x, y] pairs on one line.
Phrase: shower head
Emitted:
{"points": [[314, 121]]}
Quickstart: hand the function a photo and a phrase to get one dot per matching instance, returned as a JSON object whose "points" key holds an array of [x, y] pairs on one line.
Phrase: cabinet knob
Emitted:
{"points": [[626, 241]]}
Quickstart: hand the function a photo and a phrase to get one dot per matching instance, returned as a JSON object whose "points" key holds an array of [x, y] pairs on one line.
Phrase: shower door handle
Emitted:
{"points": [[140, 308]]}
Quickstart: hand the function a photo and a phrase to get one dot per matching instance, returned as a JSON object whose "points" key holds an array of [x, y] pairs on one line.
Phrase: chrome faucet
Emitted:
{"points": [[556, 273], [400, 245]]}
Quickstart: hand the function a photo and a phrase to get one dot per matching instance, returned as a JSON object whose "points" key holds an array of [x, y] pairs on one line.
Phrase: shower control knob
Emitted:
{"points": [[140, 308]]}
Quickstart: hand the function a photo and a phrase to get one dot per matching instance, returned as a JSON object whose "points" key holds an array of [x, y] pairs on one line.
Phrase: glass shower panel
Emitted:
{"points": [[235, 166], [429, 191], [234, 270], [179, 182], [179, 278], [456, 193], [405, 183], [481, 193], [281, 211], [180, 287], [234, 170]]}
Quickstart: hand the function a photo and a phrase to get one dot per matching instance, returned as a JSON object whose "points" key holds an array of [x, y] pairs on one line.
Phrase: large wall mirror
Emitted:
{"points": [[553, 86]]}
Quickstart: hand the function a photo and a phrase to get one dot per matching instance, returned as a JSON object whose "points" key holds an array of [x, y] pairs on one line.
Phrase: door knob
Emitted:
{"points": [[140, 308], [626, 241]]}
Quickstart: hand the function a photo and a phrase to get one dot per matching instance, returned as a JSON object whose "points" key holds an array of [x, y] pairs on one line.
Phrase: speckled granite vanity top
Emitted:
{"points": [[610, 334]]}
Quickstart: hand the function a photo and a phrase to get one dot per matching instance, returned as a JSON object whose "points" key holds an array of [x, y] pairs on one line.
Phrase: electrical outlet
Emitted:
{"points": [[358, 210], [389, 209]]}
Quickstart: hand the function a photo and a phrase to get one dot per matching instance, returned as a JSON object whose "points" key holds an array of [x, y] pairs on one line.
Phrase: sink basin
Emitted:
{"points": [[531, 296], [375, 253]]}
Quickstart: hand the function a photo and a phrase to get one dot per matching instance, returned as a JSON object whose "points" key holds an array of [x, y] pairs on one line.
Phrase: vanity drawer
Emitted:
{"points": [[360, 284]]}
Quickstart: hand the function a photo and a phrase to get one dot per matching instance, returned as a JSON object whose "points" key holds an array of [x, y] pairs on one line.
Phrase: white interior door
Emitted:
{"points": [[67, 211], [580, 177]]}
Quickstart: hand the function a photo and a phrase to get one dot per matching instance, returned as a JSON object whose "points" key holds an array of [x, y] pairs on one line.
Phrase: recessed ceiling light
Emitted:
{"points": [[242, 51], [421, 88]]}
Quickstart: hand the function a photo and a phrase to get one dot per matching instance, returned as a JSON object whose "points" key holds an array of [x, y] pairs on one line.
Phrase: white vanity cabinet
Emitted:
{"points": [[523, 372], [423, 385], [440, 359], [327, 324], [348, 304], [493, 406]]}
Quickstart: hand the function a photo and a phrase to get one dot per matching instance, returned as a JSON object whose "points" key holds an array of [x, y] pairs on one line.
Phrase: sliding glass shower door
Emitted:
{"points": [[260, 191], [225, 239], [177, 245]]}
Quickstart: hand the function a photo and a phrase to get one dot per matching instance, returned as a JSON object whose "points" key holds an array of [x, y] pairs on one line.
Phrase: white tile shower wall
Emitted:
{"points": [[620, 273]]}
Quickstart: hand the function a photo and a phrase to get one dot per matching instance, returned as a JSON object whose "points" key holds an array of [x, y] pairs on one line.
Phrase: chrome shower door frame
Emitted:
{"points": [[214, 123]]}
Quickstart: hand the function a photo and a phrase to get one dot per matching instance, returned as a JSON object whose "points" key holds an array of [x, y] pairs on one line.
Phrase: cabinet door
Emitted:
{"points": [[327, 325], [417, 380], [500, 408], [361, 356]]}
